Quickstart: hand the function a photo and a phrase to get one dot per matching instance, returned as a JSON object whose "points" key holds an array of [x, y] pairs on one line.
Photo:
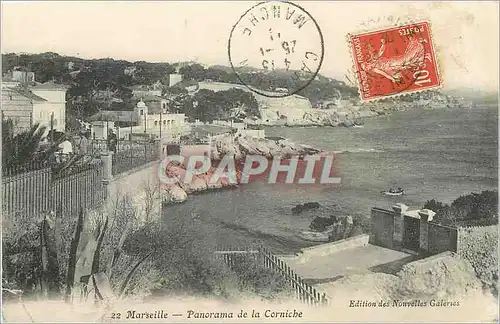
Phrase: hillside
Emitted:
{"points": [[98, 84], [87, 75]]}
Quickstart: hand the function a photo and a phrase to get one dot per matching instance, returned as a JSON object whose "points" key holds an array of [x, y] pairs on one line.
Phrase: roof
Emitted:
{"points": [[50, 86], [154, 103], [112, 115], [25, 93]]}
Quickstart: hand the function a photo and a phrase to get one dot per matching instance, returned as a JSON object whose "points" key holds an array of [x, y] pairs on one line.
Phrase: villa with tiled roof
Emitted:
{"points": [[39, 103]]}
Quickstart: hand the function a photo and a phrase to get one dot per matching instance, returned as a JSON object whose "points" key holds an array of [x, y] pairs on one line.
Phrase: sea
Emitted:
{"points": [[433, 154]]}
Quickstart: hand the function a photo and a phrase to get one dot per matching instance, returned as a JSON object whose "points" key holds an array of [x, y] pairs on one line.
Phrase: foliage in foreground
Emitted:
{"points": [[474, 209], [184, 264], [479, 244]]}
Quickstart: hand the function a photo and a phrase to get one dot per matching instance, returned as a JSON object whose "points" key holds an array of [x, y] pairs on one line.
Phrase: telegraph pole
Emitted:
{"points": [[160, 122], [52, 128], [131, 121]]}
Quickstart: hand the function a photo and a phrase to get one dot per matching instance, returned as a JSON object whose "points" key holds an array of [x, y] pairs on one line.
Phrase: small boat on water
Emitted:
{"points": [[394, 192], [357, 126]]}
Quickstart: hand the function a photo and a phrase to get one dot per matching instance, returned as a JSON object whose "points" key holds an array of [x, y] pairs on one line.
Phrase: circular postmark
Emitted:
{"points": [[276, 48]]}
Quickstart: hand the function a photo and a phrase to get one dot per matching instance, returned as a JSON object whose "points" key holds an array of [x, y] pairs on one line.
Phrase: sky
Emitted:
{"points": [[465, 34]]}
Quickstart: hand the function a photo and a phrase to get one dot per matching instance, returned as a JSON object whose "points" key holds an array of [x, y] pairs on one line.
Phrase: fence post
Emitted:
{"points": [[107, 163], [324, 301]]}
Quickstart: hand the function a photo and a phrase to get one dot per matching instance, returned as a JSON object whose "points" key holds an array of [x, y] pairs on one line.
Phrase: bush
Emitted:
{"points": [[260, 281], [478, 245], [470, 210], [183, 263]]}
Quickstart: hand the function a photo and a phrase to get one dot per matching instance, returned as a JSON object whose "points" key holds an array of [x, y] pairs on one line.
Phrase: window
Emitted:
{"points": [[10, 97], [164, 105], [164, 122], [142, 112], [156, 123]]}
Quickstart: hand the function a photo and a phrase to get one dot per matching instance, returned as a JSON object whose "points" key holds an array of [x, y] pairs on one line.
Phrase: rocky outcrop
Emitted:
{"points": [[237, 146], [335, 228], [303, 207], [350, 114]]}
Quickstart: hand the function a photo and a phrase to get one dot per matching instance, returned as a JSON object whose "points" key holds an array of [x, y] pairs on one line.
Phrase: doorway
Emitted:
{"points": [[411, 236]]}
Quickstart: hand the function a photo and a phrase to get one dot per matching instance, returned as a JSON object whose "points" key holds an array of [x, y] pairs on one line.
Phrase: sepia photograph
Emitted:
{"points": [[246, 161]]}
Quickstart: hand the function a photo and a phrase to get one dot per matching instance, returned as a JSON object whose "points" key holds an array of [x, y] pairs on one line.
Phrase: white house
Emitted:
{"points": [[54, 105], [174, 78], [44, 104], [159, 121]]}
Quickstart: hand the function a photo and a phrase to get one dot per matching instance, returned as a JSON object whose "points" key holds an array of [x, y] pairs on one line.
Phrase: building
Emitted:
{"points": [[16, 78], [44, 104], [8, 83], [155, 104], [173, 79], [140, 91], [290, 108], [18, 106], [54, 105], [22, 76], [156, 122], [105, 120]]}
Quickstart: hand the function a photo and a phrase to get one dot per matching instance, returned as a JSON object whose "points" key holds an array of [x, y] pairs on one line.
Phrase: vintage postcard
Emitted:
{"points": [[253, 162]]}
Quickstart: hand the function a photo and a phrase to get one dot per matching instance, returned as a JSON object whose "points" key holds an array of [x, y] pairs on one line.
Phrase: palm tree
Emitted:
{"points": [[26, 149]]}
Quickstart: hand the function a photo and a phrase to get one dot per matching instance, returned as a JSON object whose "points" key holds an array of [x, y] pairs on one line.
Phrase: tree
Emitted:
{"points": [[474, 209], [193, 72], [25, 147]]}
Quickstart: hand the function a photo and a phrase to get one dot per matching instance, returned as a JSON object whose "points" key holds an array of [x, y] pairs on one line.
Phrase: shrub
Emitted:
{"points": [[183, 263], [469, 210]]}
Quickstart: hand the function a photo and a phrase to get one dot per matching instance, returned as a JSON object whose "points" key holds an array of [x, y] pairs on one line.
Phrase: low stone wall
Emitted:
{"points": [[332, 247], [141, 185], [441, 238], [259, 133]]}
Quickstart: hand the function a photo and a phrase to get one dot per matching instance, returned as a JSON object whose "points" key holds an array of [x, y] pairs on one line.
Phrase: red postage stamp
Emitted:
{"points": [[395, 61]]}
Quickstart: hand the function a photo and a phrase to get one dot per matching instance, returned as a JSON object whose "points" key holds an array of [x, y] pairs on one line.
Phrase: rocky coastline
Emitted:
{"points": [[238, 147], [349, 115]]}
